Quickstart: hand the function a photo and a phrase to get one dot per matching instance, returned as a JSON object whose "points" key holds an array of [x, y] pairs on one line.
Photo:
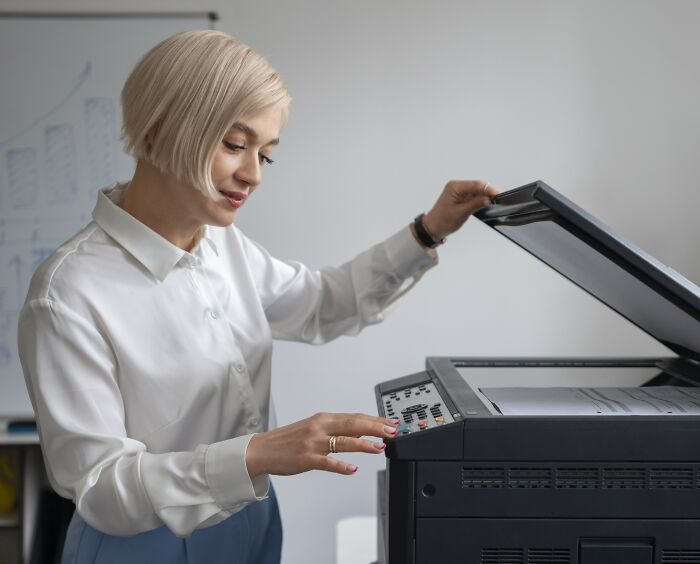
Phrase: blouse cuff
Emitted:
{"points": [[227, 474], [407, 256]]}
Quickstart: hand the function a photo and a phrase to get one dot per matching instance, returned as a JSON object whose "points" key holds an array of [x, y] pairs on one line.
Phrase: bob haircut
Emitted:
{"points": [[184, 95]]}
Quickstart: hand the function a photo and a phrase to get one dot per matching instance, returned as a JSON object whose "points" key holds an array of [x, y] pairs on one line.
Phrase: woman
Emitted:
{"points": [[146, 339]]}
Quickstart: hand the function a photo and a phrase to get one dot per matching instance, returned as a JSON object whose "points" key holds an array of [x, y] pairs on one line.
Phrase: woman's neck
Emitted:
{"points": [[163, 204]]}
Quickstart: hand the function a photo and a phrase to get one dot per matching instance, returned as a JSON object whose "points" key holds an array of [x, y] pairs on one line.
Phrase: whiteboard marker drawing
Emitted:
{"points": [[60, 164], [23, 177]]}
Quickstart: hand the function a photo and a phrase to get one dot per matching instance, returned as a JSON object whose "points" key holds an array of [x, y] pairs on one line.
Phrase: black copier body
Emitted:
{"points": [[468, 484]]}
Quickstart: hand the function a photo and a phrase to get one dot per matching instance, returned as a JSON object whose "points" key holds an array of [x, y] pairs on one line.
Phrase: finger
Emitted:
{"points": [[352, 444], [330, 417], [330, 464], [485, 189], [356, 424], [492, 191], [475, 202], [466, 188], [472, 188], [468, 208], [376, 419]]}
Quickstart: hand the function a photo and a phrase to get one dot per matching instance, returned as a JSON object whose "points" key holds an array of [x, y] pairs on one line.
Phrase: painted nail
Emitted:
{"points": [[394, 421], [352, 468], [390, 430], [380, 445]]}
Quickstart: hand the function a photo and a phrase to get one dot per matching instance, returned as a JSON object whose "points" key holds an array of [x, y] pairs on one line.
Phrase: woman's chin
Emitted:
{"points": [[224, 218]]}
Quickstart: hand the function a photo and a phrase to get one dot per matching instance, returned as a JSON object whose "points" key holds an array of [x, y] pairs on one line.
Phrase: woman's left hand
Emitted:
{"points": [[458, 201]]}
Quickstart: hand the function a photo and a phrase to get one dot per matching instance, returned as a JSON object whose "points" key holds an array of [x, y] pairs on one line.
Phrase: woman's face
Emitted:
{"points": [[239, 162]]}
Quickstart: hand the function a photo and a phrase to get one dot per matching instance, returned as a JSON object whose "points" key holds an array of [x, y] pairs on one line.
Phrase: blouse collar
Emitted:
{"points": [[152, 250]]}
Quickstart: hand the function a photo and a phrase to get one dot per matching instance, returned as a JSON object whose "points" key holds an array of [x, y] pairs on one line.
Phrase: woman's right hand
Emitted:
{"points": [[305, 445]]}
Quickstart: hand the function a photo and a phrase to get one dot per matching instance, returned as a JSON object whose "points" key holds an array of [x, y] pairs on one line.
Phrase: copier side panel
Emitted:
{"points": [[400, 518], [555, 489], [564, 438], [564, 541]]}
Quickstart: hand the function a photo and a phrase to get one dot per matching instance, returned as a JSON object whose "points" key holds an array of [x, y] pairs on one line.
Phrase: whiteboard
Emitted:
{"points": [[60, 122]]}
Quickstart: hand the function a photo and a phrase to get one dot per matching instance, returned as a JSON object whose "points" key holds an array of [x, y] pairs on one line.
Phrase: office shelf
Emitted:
{"points": [[17, 526], [10, 519]]}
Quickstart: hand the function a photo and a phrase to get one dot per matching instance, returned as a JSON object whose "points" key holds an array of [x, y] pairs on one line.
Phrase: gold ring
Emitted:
{"points": [[331, 444]]}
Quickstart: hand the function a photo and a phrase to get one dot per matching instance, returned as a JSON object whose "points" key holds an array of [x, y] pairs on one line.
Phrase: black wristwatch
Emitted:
{"points": [[425, 238]]}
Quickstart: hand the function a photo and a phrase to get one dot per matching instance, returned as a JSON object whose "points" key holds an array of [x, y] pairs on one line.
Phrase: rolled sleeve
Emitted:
{"points": [[406, 256], [227, 474], [316, 306]]}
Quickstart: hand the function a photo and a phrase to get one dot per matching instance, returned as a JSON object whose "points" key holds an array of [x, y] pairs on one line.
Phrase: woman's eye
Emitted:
{"points": [[233, 146]]}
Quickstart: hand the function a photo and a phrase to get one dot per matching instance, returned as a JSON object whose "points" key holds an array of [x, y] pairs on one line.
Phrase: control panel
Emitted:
{"points": [[417, 407]]}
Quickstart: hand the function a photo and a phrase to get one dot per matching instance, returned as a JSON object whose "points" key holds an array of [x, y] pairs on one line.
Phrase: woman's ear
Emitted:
{"points": [[150, 138]]}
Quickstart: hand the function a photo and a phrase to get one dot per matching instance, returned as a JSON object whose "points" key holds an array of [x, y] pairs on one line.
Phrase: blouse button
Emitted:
{"points": [[238, 366], [213, 314]]}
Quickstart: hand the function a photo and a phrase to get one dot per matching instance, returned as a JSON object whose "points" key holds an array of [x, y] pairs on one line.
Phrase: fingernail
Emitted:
{"points": [[351, 468], [394, 420], [493, 201], [390, 430], [380, 445]]}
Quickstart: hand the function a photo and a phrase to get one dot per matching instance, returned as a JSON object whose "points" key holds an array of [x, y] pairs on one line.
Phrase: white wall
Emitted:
{"points": [[393, 98]]}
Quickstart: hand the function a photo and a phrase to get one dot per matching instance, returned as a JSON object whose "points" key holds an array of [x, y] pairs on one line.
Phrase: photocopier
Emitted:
{"points": [[553, 460]]}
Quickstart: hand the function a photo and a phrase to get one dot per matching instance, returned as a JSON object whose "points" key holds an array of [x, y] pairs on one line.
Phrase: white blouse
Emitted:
{"points": [[148, 367]]}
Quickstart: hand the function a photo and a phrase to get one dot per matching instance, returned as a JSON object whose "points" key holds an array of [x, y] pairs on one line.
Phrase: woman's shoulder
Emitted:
{"points": [[62, 271]]}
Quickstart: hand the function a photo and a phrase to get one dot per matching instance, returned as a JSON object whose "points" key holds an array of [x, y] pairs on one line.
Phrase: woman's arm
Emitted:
{"points": [[305, 445], [117, 485], [316, 306]]}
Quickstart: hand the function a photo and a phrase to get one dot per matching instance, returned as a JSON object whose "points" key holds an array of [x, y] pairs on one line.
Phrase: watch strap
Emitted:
{"points": [[422, 233]]}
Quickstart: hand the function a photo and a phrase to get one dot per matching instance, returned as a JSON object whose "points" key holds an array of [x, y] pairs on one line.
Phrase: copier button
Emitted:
{"points": [[422, 424]]}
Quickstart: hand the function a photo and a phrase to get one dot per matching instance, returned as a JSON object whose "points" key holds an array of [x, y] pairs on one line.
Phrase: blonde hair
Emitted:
{"points": [[185, 94]]}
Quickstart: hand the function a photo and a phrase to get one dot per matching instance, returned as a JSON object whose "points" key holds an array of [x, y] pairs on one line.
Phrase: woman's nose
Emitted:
{"points": [[250, 170]]}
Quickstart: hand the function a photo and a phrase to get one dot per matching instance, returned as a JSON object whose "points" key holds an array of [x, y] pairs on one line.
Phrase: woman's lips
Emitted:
{"points": [[235, 199]]}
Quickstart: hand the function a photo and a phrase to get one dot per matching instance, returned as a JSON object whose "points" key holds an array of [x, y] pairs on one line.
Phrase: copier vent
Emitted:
{"points": [[680, 557], [502, 555], [517, 556], [563, 556], [646, 477]]}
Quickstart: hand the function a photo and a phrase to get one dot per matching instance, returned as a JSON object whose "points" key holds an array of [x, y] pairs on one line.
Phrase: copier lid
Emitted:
{"points": [[571, 241]]}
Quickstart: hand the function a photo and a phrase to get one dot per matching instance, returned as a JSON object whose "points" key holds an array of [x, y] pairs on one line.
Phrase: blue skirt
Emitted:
{"points": [[251, 536]]}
